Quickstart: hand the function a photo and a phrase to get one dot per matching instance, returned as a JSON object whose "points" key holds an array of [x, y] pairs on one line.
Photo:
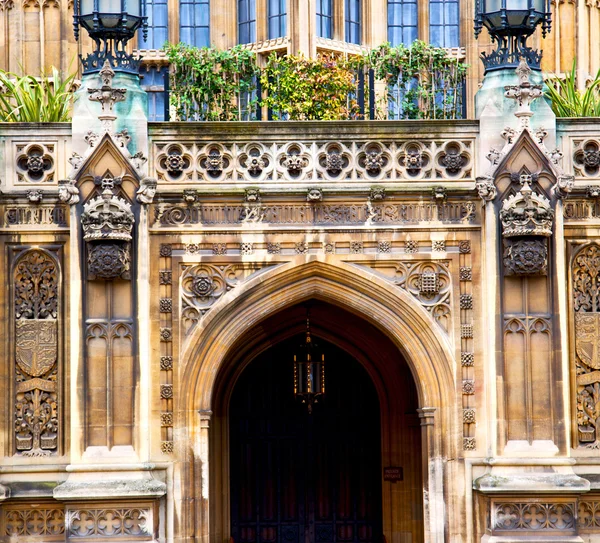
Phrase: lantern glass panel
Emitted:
{"points": [[133, 7], [87, 7], [492, 5], [517, 5], [109, 6]]}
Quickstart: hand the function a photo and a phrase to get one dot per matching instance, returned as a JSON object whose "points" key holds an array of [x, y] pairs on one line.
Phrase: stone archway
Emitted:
{"points": [[393, 312]]}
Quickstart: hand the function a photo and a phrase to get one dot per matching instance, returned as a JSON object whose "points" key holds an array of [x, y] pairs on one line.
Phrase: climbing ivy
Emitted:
{"points": [[422, 81], [208, 84]]}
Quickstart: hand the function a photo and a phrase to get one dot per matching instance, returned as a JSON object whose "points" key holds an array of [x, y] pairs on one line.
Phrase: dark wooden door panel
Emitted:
{"points": [[300, 478]]}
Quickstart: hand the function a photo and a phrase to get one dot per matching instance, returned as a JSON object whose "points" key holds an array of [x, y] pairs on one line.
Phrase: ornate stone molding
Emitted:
{"points": [[35, 162]]}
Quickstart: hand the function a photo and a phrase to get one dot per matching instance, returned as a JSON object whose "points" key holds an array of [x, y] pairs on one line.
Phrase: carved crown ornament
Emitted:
{"points": [[107, 222], [527, 219], [526, 213]]}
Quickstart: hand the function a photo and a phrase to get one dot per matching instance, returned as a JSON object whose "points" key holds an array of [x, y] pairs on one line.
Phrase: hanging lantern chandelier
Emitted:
{"points": [[309, 370]]}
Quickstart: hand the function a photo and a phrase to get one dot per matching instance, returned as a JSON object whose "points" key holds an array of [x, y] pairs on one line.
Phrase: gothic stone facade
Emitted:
{"points": [[141, 265]]}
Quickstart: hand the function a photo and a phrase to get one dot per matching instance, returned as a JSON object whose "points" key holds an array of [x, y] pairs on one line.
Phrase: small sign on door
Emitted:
{"points": [[393, 474]]}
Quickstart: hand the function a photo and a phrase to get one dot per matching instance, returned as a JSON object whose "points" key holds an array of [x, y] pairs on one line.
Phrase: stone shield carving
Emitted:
{"points": [[36, 346], [587, 338]]}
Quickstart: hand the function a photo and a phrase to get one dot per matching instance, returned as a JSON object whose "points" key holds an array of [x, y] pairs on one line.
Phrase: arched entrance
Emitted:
{"points": [[233, 332], [300, 478]]}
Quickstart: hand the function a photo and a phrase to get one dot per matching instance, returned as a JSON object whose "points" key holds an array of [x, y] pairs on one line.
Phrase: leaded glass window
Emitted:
{"points": [[443, 23], [277, 18], [352, 16], [158, 32], [402, 21], [194, 22], [325, 18], [246, 21]]}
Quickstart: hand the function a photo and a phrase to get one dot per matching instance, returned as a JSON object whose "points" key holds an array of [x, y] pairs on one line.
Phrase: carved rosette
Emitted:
{"points": [[36, 312], [107, 222], [586, 303], [527, 220]]}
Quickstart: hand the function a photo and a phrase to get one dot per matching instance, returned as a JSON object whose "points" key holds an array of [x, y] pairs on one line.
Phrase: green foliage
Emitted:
{"points": [[208, 84], [567, 100], [36, 100], [298, 88], [422, 81]]}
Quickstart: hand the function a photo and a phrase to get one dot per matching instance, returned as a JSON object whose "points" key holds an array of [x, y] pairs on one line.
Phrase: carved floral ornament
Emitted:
{"points": [[35, 162], [107, 222]]}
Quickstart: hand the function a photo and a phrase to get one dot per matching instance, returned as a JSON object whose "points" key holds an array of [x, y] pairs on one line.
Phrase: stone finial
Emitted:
{"points": [[107, 96], [524, 93]]}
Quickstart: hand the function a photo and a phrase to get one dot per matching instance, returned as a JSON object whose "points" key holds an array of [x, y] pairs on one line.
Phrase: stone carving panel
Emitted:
{"points": [[532, 516], [45, 523], [36, 312], [586, 304], [428, 282], [132, 523], [527, 219], [460, 212], [202, 285], [35, 163]]}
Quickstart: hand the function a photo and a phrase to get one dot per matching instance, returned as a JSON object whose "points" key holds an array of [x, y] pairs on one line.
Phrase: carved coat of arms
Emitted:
{"points": [[36, 345]]}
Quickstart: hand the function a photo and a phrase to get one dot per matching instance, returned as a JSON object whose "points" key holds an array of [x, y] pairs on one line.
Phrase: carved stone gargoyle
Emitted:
{"points": [[527, 220], [107, 222]]}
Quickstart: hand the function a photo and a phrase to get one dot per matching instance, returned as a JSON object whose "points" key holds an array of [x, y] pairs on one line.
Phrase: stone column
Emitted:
{"points": [[434, 508]]}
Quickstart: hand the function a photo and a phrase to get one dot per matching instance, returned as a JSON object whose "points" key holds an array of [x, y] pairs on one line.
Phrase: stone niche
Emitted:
{"points": [[527, 219], [107, 222]]}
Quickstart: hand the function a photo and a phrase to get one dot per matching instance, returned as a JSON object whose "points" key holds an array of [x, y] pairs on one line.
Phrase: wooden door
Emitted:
{"points": [[300, 478]]}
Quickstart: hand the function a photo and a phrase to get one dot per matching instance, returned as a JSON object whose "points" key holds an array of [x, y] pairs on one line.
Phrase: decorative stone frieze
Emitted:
{"points": [[111, 523], [44, 523], [190, 161], [532, 516], [457, 212]]}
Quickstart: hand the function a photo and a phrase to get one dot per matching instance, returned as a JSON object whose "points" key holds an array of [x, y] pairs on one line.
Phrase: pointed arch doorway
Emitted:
{"points": [[288, 476]]}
